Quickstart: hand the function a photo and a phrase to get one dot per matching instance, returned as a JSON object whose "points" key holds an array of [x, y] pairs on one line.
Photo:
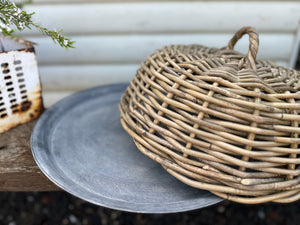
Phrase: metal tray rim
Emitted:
{"points": [[105, 202]]}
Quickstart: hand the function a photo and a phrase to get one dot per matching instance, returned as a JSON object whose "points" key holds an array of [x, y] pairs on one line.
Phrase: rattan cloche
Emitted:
{"points": [[218, 120]]}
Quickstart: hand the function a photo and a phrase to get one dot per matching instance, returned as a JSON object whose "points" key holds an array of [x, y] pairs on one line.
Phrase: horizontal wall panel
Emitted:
{"points": [[50, 98], [164, 17], [71, 78], [135, 48], [136, 1], [113, 37], [78, 77]]}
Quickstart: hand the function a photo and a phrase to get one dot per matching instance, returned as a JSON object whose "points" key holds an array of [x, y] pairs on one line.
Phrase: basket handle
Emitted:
{"points": [[249, 60]]}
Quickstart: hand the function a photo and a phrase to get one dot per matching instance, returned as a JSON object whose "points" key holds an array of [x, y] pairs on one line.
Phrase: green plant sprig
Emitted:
{"points": [[10, 14]]}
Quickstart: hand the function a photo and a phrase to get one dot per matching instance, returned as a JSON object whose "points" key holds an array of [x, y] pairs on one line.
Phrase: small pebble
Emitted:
{"points": [[89, 211], [113, 215], [30, 198], [12, 223], [71, 207], [46, 199], [65, 221], [85, 221], [261, 214], [45, 211], [221, 209], [72, 218], [274, 216]]}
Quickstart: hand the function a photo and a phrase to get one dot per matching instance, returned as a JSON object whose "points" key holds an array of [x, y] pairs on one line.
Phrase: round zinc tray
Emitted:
{"points": [[79, 145]]}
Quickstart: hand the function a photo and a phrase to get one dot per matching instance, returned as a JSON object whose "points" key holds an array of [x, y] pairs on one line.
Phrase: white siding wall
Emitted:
{"points": [[113, 37]]}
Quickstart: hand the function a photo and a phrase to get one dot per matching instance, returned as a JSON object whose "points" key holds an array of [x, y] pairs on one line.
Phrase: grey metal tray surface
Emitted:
{"points": [[80, 145]]}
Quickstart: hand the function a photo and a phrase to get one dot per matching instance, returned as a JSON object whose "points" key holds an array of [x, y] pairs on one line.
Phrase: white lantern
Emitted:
{"points": [[20, 88]]}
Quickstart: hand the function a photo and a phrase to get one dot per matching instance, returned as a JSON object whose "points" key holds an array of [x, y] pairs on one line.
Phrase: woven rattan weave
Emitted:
{"points": [[218, 120]]}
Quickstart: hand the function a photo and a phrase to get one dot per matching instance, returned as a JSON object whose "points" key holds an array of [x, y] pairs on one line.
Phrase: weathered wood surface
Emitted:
{"points": [[18, 170]]}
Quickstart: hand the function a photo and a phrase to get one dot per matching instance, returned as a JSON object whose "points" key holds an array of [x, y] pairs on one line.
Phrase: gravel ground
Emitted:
{"points": [[53, 208]]}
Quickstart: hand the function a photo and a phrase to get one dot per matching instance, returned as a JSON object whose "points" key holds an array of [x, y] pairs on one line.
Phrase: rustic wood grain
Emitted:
{"points": [[18, 170]]}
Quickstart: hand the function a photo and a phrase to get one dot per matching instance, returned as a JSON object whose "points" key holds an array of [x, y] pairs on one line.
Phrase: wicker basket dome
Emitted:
{"points": [[218, 120]]}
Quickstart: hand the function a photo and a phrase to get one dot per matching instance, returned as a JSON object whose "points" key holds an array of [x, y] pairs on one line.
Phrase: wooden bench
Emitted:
{"points": [[113, 37], [18, 171]]}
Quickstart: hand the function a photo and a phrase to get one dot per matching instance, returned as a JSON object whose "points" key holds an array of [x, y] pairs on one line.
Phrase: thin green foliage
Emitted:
{"points": [[11, 14]]}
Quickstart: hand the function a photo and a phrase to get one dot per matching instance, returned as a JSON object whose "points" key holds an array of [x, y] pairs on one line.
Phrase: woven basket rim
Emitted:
{"points": [[218, 120]]}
